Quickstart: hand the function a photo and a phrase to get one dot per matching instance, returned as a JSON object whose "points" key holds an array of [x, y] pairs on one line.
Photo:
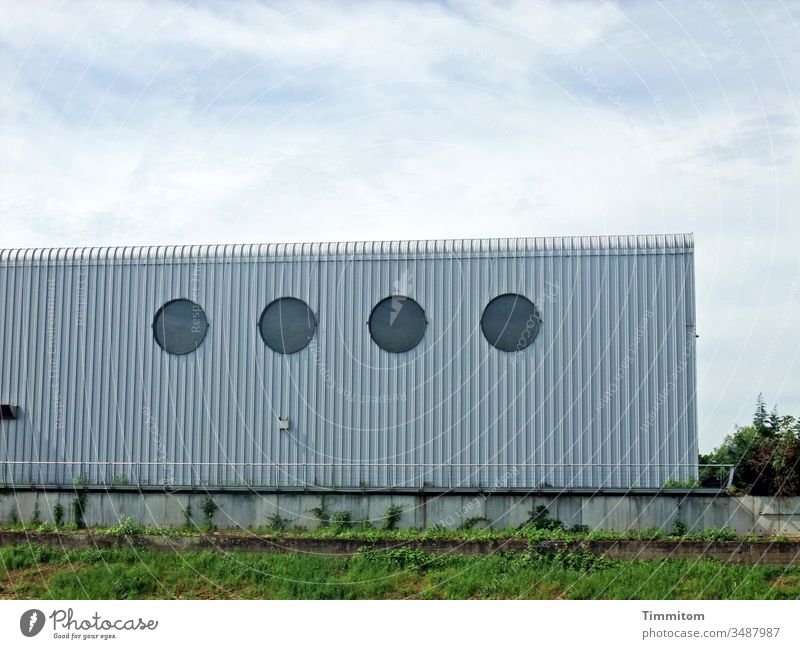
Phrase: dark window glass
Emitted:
{"points": [[397, 323], [7, 411], [510, 322], [180, 326], [287, 325]]}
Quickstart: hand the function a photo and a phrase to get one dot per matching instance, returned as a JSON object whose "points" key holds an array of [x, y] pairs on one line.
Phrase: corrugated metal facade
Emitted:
{"points": [[604, 397]]}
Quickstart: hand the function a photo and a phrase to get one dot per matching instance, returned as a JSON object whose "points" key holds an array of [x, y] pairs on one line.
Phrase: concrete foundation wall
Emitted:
{"points": [[744, 514]]}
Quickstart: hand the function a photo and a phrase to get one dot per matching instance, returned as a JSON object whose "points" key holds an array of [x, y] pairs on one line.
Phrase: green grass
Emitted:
{"points": [[367, 533], [31, 571]]}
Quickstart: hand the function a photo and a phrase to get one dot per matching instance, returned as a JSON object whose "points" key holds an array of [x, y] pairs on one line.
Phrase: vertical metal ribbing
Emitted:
{"points": [[563, 400]]}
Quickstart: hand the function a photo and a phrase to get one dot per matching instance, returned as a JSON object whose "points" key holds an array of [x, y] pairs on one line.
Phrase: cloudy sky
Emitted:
{"points": [[139, 123]]}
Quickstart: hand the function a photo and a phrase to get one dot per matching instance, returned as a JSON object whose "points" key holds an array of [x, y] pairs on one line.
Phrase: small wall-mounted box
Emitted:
{"points": [[8, 411], [283, 423]]}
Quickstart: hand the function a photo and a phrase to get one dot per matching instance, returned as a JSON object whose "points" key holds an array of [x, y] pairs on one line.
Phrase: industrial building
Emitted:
{"points": [[502, 364]]}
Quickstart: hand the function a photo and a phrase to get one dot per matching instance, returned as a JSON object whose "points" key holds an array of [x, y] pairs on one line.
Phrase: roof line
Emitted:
{"points": [[596, 244]]}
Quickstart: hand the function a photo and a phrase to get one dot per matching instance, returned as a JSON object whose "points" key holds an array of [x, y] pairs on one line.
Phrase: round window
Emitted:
{"points": [[180, 326], [287, 325], [397, 324], [510, 322]]}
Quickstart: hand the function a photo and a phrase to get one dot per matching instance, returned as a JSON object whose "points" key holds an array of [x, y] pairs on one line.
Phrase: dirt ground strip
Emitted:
{"points": [[761, 551]]}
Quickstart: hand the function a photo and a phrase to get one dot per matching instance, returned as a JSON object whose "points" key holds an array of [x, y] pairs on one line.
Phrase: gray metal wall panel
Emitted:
{"points": [[605, 396]]}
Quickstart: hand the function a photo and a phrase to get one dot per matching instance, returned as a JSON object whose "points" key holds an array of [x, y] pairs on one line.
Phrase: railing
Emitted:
{"points": [[365, 475]]}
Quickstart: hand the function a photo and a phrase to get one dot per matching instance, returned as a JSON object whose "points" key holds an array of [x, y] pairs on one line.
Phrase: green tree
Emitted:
{"points": [[765, 455]]}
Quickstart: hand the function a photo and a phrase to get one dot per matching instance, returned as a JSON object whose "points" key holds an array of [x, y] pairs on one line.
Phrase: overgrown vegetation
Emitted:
{"points": [[543, 529], [187, 517], [321, 513], [765, 454], [681, 484], [36, 515], [120, 480], [78, 509], [209, 508], [126, 527], [58, 515], [341, 520], [391, 517], [34, 572], [539, 519], [276, 523]]}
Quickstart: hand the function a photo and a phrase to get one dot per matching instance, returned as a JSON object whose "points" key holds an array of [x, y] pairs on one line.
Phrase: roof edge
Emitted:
{"points": [[597, 244]]}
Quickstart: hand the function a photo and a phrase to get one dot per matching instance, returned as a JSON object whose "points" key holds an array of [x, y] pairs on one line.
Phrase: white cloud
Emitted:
{"points": [[136, 122]]}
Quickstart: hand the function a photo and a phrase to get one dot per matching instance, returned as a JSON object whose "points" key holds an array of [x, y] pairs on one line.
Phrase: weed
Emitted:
{"points": [[276, 522], [36, 515], [321, 513], [681, 484], [724, 533], [58, 514], [472, 521], [126, 527], [391, 517], [539, 519], [679, 529], [119, 481], [342, 520], [78, 510], [209, 508], [187, 516]]}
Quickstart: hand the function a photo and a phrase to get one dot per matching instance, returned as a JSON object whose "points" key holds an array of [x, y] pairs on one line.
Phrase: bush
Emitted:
{"points": [[126, 527], [539, 519], [341, 520], [321, 513], [78, 509], [276, 522], [765, 454], [472, 521], [209, 509], [391, 517], [58, 514]]}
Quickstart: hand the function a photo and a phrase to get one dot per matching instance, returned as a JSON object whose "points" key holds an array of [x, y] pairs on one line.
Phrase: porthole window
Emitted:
{"points": [[397, 324], [180, 326], [510, 322], [287, 325]]}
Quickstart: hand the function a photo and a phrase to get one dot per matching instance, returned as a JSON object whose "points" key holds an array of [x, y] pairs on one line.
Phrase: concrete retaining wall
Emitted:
{"points": [[743, 514], [746, 552]]}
